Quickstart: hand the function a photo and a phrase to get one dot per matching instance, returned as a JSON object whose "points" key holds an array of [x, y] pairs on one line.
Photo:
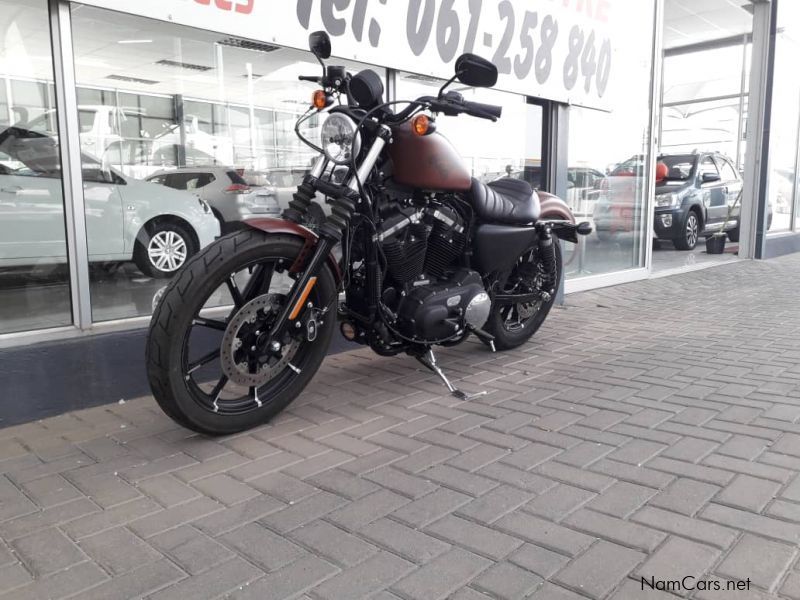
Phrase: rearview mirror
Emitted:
{"points": [[710, 177], [475, 71], [320, 44]]}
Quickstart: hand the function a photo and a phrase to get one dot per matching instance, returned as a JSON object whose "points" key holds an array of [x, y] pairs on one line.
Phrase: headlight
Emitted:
{"points": [[204, 205], [667, 200], [340, 139]]}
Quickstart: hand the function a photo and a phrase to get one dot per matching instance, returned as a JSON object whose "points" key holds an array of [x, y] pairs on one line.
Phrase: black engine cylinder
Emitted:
{"points": [[447, 241], [406, 257]]}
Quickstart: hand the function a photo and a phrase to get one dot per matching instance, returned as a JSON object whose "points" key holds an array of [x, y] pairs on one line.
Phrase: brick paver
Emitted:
{"points": [[649, 430]]}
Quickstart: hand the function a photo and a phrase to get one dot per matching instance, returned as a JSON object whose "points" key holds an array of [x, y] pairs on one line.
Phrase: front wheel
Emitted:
{"points": [[513, 325], [690, 232], [163, 248], [211, 361]]}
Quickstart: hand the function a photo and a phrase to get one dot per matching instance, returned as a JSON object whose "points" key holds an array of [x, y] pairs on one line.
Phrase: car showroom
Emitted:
{"points": [[399, 300], [135, 133]]}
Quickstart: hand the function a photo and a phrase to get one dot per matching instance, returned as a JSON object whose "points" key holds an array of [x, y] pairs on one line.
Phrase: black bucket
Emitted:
{"points": [[715, 244]]}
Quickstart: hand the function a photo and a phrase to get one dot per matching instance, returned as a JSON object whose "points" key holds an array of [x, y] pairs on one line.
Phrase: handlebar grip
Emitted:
{"points": [[483, 110], [312, 78]]}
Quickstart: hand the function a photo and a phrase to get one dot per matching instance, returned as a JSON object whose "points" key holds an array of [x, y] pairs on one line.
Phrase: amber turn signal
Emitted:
{"points": [[319, 99], [423, 125]]}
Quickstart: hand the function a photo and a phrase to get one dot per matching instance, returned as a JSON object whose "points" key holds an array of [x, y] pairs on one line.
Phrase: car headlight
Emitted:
{"points": [[204, 205], [340, 139], [667, 200]]}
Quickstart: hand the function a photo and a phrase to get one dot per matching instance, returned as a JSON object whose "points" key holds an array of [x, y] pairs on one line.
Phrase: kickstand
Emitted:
{"points": [[429, 360]]}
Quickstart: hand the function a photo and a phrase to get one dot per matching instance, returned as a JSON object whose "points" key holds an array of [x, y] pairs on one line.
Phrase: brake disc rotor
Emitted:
{"points": [[242, 328]]}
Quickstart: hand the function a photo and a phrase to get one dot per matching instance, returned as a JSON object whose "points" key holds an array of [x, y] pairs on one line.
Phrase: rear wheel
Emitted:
{"points": [[513, 325], [211, 361]]}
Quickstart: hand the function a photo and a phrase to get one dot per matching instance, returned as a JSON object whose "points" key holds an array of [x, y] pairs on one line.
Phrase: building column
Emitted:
{"points": [[70, 150], [754, 209]]}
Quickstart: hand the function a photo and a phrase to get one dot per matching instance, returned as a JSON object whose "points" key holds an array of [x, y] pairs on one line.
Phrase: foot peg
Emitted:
{"points": [[429, 360], [484, 336]]}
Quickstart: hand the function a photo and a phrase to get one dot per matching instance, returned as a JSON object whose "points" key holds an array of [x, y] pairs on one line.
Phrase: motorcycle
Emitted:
{"points": [[424, 254]]}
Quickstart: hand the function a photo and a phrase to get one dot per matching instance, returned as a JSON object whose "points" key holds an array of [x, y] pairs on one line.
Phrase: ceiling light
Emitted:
{"points": [[135, 42], [183, 65], [248, 45], [128, 79]]}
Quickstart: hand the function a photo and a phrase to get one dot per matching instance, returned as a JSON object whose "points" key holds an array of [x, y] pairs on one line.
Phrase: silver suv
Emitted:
{"points": [[231, 199]]}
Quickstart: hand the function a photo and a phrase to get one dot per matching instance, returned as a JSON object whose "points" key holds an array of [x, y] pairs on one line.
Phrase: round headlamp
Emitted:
{"points": [[341, 139]]}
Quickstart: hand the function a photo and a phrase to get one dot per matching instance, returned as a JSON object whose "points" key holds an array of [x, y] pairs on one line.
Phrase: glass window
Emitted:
{"points": [[707, 166], [713, 125], [705, 74], [188, 181], [614, 143], [34, 276], [510, 147], [784, 180], [727, 172], [232, 107]]}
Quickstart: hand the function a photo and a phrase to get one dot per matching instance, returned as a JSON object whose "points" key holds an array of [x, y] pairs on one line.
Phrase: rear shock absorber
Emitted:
{"points": [[547, 257]]}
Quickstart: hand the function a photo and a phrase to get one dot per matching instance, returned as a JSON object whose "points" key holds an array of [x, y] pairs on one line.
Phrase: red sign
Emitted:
{"points": [[242, 6]]}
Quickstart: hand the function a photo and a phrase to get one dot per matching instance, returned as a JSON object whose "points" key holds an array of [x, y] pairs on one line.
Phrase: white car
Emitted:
{"points": [[231, 198], [126, 219]]}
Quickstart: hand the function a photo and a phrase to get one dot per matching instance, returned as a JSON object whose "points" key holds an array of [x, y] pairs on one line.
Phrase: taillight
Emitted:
{"points": [[237, 188]]}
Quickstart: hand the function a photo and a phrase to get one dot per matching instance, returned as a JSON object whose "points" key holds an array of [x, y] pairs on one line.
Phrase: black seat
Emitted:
{"points": [[508, 200]]}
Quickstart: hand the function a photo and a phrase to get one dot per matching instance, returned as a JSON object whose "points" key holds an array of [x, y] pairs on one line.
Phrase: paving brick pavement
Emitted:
{"points": [[649, 430]]}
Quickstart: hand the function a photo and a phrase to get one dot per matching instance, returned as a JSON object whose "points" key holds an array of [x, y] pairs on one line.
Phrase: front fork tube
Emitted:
{"points": [[329, 235]]}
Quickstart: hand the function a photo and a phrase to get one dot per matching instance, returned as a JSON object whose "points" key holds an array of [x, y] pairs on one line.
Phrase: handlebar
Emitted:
{"points": [[451, 104], [483, 111]]}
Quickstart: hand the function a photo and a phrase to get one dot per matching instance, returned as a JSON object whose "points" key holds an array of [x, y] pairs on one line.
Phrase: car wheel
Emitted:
{"points": [[163, 248], [733, 234], [690, 232]]}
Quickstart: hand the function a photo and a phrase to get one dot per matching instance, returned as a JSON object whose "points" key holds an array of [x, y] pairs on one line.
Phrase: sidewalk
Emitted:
{"points": [[649, 430]]}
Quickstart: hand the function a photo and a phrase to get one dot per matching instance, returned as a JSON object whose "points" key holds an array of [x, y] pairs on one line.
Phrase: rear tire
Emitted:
{"points": [[505, 337], [176, 392]]}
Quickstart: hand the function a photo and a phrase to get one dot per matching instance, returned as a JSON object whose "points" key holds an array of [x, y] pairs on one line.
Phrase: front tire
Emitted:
{"points": [[690, 232], [514, 325], [181, 384]]}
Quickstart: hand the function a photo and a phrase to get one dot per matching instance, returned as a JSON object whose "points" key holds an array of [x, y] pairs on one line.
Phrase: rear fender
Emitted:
{"points": [[554, 208], [273, 225]]}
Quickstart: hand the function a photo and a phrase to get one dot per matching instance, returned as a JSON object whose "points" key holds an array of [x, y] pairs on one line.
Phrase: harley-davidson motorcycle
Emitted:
{"points": [[415, 254]]}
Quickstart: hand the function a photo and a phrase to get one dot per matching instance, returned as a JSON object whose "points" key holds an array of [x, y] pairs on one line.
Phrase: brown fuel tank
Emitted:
{"points": [[428, 162]]}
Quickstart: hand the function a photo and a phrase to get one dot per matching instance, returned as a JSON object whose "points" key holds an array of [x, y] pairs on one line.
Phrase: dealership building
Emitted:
{"points": [[98, 96]]}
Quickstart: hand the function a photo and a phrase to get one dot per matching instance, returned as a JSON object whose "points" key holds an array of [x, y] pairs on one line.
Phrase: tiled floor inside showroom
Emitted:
{"points": [[650, 430]]}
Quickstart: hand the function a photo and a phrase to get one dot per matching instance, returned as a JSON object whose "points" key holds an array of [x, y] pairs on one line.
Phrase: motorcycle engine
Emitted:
{"points": [[432, 297]]}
